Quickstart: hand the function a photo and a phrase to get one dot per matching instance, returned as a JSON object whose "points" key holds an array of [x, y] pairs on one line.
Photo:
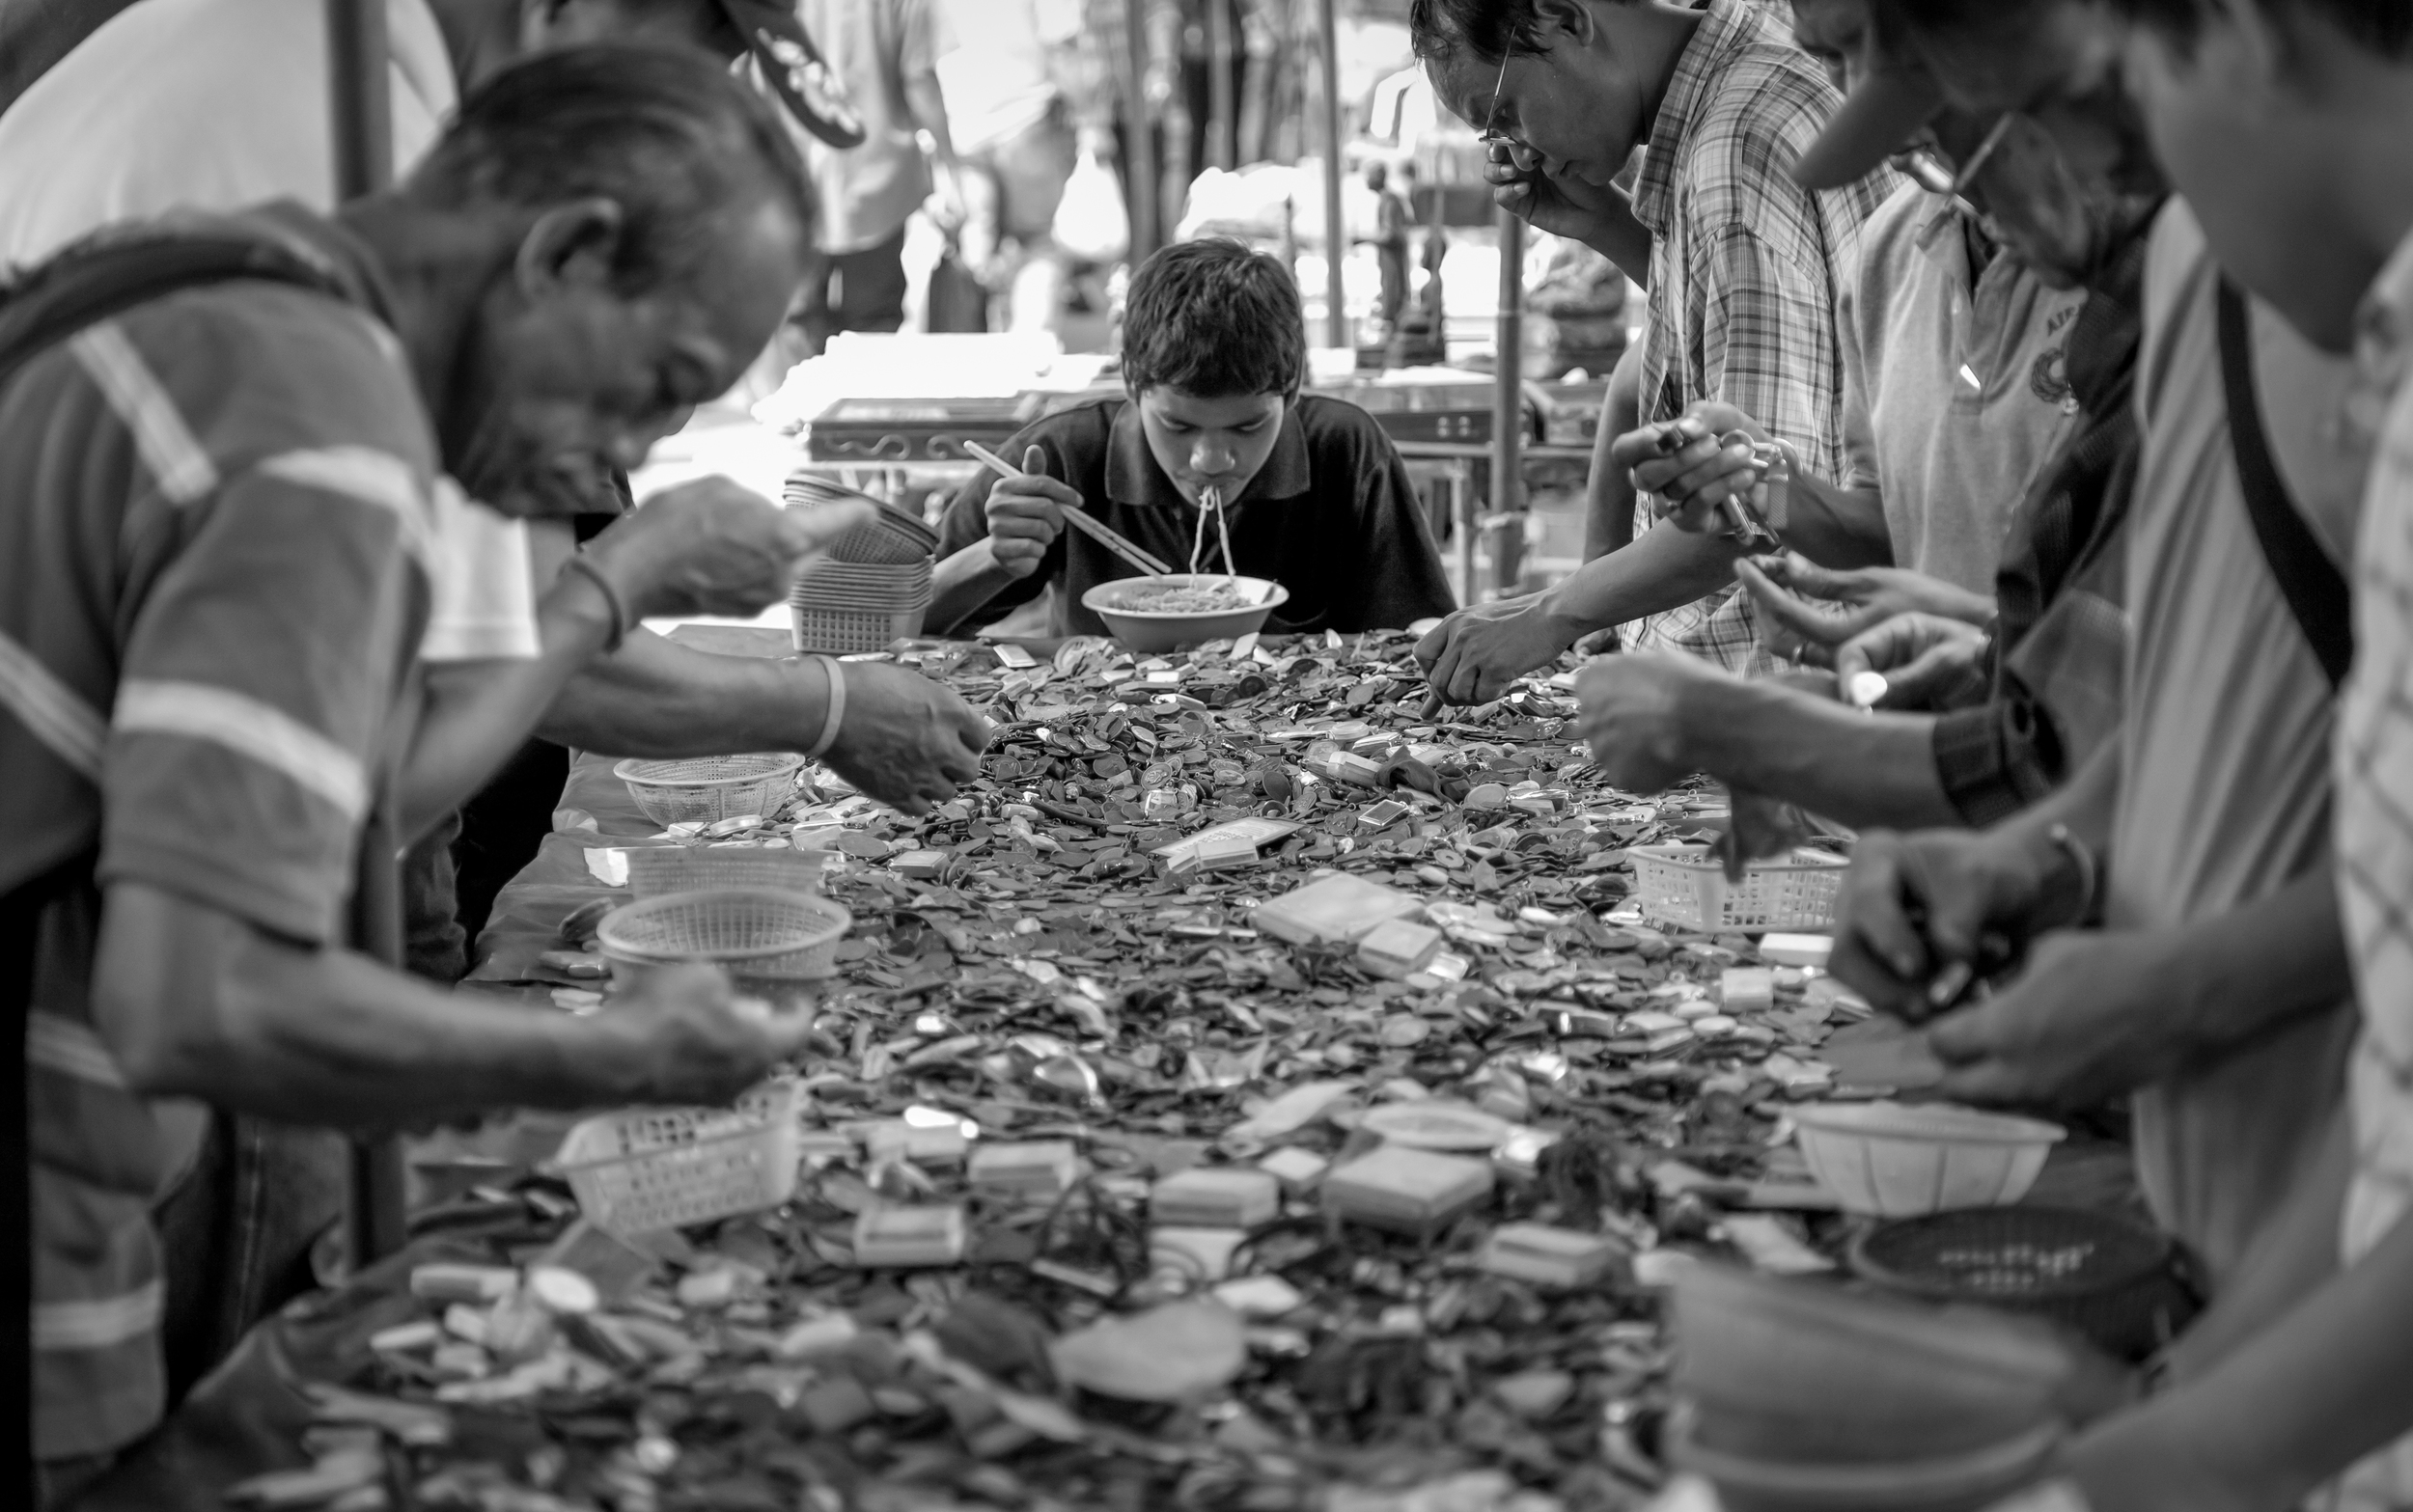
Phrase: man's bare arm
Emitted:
{"points": [[195, 1003]]}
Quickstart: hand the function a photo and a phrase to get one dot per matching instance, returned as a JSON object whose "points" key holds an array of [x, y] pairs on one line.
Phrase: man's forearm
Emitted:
{"points": [[479, 713], [1665, 569], [1834, 527], [655, 699], [2295, 1254], [2253, 969], [1858, 769], [963, 585], [2326, 1383], [928, 106], [196, 1004], [1609, 489], [1623, 239]]}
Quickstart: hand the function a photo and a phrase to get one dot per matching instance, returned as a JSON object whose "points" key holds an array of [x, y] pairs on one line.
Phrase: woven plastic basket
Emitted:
{"points": [[657, 869], [756, 934], [710, 788], [1686, 886], [2118, 1282], [893, 536], [652, 1168], [841, 608]]}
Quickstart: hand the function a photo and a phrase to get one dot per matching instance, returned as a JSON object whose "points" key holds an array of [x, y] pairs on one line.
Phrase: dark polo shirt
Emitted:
{"points": [[1331, 516]]}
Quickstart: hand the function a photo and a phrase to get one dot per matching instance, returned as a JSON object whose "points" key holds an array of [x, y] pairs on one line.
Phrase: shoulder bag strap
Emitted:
{"points": [[2314, 588]]}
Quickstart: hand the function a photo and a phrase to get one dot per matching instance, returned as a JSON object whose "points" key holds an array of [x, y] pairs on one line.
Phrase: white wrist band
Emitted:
{"points": [[834, 714]]}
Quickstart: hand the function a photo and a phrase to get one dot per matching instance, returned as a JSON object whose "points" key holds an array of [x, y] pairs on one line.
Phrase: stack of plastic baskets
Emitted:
{"points": [[873, 587]]}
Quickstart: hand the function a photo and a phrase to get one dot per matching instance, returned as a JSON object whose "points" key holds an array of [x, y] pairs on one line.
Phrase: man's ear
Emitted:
{"points": [[573, 245], [1571, 19]]}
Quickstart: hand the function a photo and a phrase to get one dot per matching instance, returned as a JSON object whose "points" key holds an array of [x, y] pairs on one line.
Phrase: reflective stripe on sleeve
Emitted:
{"points": [[249, 728], [70, 1049], [371, 477], [55, 713], [167, 446], [100, 1322]]}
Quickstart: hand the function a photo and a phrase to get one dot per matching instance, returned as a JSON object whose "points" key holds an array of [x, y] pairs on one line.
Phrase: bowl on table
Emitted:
{"points": [[1135, 613], [1894, 1160], [1788, 1370]]}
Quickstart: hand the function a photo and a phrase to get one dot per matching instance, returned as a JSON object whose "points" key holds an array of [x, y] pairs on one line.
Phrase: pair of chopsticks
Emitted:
{"points": [[1080, 519]]}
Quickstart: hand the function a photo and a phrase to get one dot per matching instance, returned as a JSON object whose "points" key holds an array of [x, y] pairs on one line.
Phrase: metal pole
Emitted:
{"points": [[360, 109], [1336, 235], [1221, 124], [361, 115], [1139, 132], [1508, 397]]}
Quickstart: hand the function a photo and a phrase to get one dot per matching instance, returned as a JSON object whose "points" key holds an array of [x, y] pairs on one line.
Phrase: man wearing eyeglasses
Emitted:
{"points": [[2215, 988], [1745, 267], [1997, 258]]}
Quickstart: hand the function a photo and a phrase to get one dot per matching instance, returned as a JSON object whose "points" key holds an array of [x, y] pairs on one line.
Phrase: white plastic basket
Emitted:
{"points": [[651, 1168], [757, 935], [1686, 886], [710, 788], [657, 869]]}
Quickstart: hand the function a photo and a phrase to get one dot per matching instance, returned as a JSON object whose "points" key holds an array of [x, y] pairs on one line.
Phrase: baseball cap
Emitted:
{"points": [[793, 66], [1877, 120]]}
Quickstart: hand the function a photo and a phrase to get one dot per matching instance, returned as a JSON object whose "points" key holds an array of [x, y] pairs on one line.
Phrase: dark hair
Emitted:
{"points": [[1440, 30], [664, 133], [1213, 318], [2379, 26]]}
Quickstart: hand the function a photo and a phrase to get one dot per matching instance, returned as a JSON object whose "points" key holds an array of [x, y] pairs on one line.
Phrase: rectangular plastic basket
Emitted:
{"points": [[656, 870], [842, 632], [652, 1168], [1685, 887]]}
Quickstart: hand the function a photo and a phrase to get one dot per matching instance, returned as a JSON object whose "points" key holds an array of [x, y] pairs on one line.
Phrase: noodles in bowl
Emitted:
{"points": [[1182, 599], [1183, 609]]}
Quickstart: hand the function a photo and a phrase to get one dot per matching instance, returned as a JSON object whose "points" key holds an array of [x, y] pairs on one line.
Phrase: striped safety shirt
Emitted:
{"points": [[215, 512], [1745, 269]]}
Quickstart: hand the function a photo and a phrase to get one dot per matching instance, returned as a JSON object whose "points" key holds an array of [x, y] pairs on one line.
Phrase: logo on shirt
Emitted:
{"points": [[2048, 380]]}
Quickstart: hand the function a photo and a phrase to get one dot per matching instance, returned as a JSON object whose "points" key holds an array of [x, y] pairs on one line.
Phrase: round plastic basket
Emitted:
{"points": [[754, 934], [710, 788], [652, 1168], [659, 869], [1895, 1160], [2117, 1282], [1686, 886]]}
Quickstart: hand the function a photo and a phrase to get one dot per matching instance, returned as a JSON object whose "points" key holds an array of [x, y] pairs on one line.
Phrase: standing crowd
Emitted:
{"points": [[2016, 466]]}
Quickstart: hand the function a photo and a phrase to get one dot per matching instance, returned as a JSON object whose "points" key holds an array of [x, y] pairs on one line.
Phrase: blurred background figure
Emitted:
{"points": [[1025, 93], [1392, 218], [885, 52]]}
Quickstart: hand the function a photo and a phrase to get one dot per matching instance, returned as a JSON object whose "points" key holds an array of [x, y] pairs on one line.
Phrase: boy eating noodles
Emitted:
{"points": [[1312, 494]]}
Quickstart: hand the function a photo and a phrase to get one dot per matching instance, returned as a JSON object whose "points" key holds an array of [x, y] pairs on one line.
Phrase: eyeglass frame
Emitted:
{"points": [[1491, 131], [1927, 167]]}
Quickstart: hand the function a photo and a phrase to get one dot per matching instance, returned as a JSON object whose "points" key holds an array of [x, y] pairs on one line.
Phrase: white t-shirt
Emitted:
{"points": [[218, 104], [993, 66]]}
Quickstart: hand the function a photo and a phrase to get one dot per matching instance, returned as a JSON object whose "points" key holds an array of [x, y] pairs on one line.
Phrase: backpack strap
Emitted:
{"points": [[2314, 588], [114, 273]]}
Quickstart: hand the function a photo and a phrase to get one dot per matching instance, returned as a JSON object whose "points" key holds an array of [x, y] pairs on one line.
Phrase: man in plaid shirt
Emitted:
{"points": [[1744, 270]]}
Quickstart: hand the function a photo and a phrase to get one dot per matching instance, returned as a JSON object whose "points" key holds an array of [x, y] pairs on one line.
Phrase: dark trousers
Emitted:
{"points": [[854, 291]]}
